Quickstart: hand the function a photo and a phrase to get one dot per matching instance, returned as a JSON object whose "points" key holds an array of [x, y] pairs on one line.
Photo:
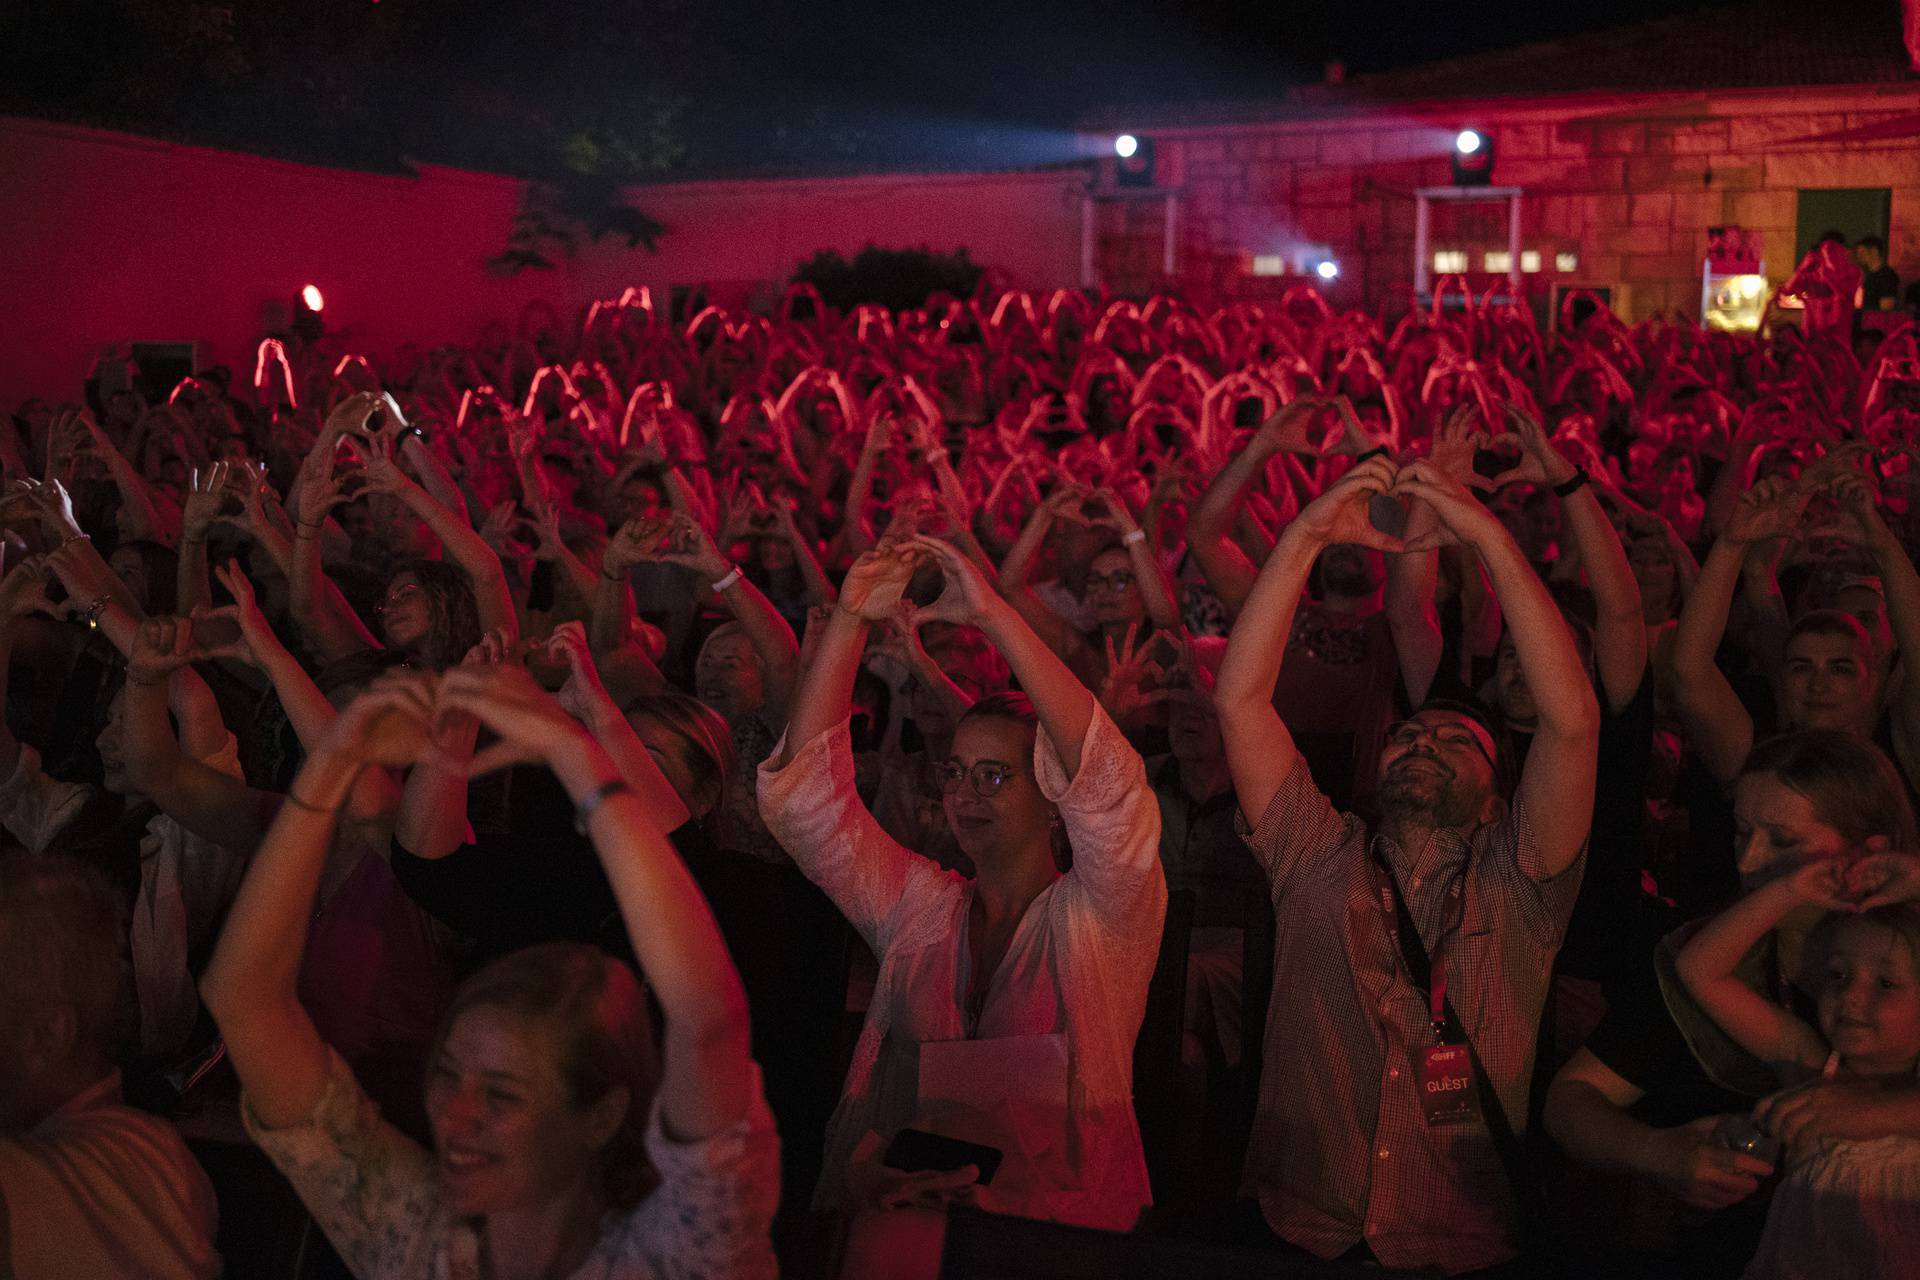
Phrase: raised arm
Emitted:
{"points": [[1708, 960], [553, 548], [872, 590], [1063, 704], [1157, 590], [213, 805], [1017, 570], [586, 700], [1210, 526], [819, 589], [250, 986], [206, 489], [1901, 585], [1557, 783], [706, 1081], [1261, 754], [492, 597], [1718, 727], [433, 473], [688, 545], [854, 536], [22, 592], [142, 512], [610, 621], [1620, 629], [333, 629]]}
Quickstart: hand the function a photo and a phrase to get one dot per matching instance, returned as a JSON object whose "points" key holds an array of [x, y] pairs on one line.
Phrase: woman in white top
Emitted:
{"points": [[562, 1145], [1007, 1005]]}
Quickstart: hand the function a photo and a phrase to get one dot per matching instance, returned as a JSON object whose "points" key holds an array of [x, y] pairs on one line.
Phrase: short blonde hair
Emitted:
{"points": [[604, 1033]]}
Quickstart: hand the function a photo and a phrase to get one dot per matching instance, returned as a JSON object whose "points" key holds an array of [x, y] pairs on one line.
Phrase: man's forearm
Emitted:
{"points": [[1594, 1131]]}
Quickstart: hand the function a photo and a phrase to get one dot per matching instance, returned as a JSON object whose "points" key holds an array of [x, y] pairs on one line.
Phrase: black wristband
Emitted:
{"points": [[1568, 487], [1374, 452], [591, 805], [412, 431]]}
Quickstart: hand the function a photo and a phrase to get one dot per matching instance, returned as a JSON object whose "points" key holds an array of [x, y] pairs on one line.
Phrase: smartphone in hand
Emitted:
{"points": [[917, 1151]]}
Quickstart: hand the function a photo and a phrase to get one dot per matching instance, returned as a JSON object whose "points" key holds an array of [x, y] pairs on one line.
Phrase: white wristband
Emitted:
{"points": [[1132, 536], [727, 581]]}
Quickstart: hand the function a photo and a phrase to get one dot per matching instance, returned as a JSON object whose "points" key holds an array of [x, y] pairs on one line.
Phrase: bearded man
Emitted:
{"points": [[1412, 954]]}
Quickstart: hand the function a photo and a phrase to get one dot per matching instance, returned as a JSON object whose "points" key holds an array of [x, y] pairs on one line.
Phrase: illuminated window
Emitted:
{"points": [[1529, 260], [1497, 263], [1450, 262], [1566, 262], [1269, 264]]}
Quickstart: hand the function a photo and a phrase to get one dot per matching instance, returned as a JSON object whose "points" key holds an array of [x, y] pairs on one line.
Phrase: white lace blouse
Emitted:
{"points": [[1078, 966]]}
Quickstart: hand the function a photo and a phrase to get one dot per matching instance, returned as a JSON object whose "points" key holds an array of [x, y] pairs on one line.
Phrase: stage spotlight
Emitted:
{"points": [[1327, 270], [1472, 159], [1134, 166], [314, 299]]}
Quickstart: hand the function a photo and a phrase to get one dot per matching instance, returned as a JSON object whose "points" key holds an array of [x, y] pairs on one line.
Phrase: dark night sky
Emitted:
{"points": [[939, 77], [767, 84]]}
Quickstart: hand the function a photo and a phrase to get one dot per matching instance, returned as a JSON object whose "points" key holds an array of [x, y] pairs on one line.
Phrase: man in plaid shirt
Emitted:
{"points": [[1365, 1144]]}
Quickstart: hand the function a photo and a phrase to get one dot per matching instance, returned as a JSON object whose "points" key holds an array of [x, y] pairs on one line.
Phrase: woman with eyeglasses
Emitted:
{"points": [[1124, 584], [1006, 1005]]}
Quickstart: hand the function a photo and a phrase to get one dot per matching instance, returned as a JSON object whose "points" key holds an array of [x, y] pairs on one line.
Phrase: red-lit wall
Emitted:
{"points": [[107, 237], [1024, 224], [113, 237]]}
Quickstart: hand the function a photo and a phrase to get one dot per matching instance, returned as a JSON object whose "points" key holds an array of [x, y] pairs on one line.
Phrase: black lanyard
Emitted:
{"points": [[1427, 975]]}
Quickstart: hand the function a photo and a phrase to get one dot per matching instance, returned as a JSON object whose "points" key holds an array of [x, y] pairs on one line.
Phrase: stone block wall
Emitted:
{"points": [[1628, 186]]}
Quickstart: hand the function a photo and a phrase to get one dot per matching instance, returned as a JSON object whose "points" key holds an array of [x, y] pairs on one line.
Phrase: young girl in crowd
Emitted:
{"points": [[1846, 1206]]}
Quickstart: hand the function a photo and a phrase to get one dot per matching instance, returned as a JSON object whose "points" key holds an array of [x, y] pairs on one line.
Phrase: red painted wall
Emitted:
{"points": [[114, 237], [109, 237]]}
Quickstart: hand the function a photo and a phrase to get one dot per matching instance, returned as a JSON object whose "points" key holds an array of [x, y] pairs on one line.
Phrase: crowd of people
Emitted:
{"points": [[607, 798]]}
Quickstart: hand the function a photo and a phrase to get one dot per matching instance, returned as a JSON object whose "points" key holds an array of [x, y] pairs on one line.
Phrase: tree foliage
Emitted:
{"points": [[900, 279]]}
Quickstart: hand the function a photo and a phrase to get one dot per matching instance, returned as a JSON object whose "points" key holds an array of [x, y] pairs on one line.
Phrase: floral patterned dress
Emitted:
{"points": [[375, 1193]]}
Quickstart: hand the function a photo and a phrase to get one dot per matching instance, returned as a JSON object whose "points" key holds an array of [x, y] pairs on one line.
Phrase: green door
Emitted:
{"points": [[1852, 211]]}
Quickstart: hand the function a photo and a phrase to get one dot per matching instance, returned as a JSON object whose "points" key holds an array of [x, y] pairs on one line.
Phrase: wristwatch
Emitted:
{"points": [[1568, 487]]}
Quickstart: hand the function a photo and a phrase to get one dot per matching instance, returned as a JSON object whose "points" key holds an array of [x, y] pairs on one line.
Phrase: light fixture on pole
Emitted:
{"points": [[1133, 166], [1472, 159]]}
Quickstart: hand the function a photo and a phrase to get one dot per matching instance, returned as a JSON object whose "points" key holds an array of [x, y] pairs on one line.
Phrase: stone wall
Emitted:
{"points": [[1629, 186]]}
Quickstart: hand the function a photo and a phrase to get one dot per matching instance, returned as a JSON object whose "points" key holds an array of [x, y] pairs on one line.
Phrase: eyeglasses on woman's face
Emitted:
{"points": [[1116, 582], [986, 776]]}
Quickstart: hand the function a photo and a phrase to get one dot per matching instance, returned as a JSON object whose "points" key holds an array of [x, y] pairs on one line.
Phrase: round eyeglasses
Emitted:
{"points": [[986, 777]]}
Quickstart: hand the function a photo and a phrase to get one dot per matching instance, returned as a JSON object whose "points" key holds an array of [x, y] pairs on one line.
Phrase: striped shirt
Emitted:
{"points": [[1341, 1151]]}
